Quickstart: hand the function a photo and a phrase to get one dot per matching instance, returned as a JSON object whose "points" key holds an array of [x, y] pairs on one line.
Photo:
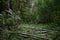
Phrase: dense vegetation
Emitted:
{"points": [[20, 15]]}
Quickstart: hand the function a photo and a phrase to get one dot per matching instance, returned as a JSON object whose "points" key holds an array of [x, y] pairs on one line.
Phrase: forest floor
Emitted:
{"points": [[30, 32], [36, 31]]}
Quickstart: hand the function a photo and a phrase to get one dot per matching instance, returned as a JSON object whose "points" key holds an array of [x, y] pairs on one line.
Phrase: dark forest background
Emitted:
{"points": [[18, 15]]}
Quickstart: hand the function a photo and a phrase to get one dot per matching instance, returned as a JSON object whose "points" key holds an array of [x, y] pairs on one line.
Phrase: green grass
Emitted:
{"points": [[43, 26], [27, 27]]}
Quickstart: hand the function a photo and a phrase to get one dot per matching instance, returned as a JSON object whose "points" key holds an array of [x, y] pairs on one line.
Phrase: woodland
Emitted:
{"points": [[29, 19]]}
